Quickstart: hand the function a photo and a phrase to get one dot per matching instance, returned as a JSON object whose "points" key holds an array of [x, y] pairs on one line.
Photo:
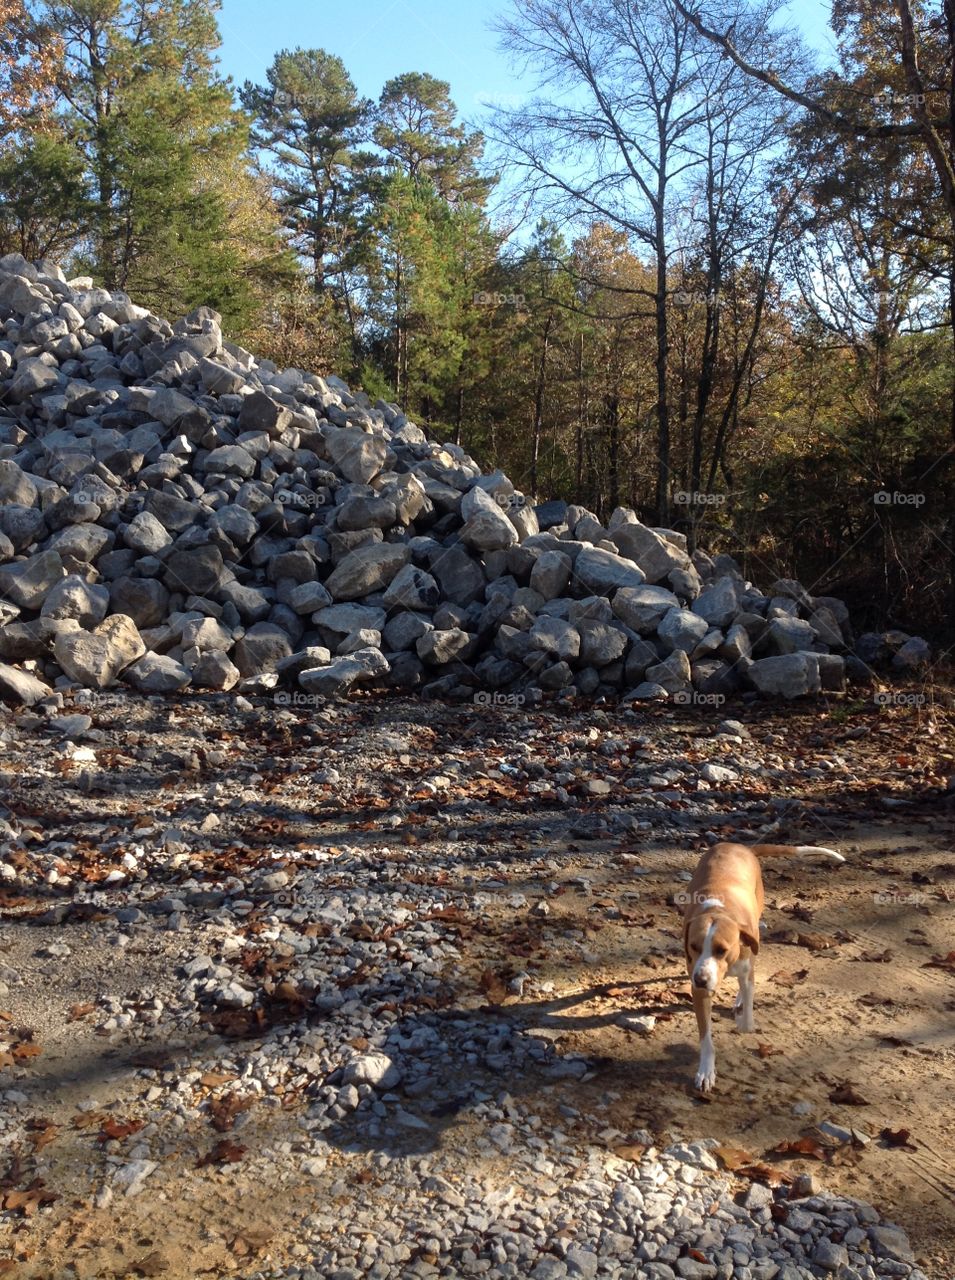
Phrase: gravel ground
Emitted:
{"points": [[393, 989]]}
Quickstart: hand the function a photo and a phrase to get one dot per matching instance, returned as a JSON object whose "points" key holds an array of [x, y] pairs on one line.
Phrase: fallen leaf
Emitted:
{"points": [[78, 1011], [42, 1132], [115, 1129], [224, 1110], [212, 1079], [733, 1158], [941, 962], [898, 1138], [494, 986], [767, 1051], [154, 1264], [224, 1152], [799, 1147], [816, 941], [848, 1096], [629, 1151], [772, 1175], [785, 978], [28, 1201]]}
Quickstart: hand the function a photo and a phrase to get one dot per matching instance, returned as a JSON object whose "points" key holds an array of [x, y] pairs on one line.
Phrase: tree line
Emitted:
{"points": [[685, 271]]}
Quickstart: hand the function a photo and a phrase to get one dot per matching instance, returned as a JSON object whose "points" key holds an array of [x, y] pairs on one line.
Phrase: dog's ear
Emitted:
{"points": [[751, 939]]}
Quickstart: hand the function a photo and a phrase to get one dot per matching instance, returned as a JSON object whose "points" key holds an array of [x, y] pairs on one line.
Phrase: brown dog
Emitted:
{"points": [[721, 932]]}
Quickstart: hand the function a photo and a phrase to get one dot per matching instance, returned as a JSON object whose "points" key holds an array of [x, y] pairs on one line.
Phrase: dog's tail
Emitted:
{"points": [[794, 851]]}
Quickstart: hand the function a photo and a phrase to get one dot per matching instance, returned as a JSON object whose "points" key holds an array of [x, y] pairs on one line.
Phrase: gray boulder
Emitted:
{"points": [[603, 572], [790, 675], [644, 608], [367, 569], [157, 673], [95, 658], [28, 582], [364, 667]]}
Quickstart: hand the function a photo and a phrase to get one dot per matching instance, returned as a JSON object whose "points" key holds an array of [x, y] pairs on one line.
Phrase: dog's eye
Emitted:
{"points": [[719, 951]]}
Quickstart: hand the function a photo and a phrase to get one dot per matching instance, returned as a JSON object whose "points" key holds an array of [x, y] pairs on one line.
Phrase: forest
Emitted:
{"points": [[686, 269]]}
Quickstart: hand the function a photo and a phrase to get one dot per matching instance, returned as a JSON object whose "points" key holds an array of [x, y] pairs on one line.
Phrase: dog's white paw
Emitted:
{"points": [[744, 1023], [705, 1079]]}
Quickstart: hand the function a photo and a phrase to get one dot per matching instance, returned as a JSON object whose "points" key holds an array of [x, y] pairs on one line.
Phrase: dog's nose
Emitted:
{"points": [[699, 980]]}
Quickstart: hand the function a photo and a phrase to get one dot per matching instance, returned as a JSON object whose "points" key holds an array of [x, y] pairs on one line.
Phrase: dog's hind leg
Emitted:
{"points": [[744, 1000], [703, 1007]]}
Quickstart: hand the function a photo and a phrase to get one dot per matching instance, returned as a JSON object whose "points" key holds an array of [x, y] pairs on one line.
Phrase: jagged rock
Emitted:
{"points": [[719, 603], [603, 572], [550, 574], [358, 456], [655, 555], [19, 687], [28, 582], [644, 608], [261, 648], [215, 670], [412, 588], [365, 570], [157, 673], [74, 597], [672, 674], [95, 658], [682, 630], [554, 635], [486, 525], [788, 676], [363, 667]]}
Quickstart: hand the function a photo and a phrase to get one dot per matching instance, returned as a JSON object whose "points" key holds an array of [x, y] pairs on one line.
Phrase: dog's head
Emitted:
{"points": [[714, 944]]}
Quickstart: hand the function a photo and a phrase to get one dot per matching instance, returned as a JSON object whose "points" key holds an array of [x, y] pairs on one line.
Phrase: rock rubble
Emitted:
{"points": [[176, 514]]}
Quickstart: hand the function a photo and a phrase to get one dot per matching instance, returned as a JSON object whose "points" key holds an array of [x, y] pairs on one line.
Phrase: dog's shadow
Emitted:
{"points": [[416, 1125]]}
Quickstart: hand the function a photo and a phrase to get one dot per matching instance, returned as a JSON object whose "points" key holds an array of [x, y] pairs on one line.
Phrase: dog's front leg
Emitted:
{"points": [[703, 1008]]}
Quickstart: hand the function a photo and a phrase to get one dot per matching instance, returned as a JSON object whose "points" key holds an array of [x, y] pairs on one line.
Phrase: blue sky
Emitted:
{"points": [[378, 39]]}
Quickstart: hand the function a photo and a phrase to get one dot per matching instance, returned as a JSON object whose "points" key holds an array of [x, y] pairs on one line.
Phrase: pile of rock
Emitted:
{"points": [[174, 514]]}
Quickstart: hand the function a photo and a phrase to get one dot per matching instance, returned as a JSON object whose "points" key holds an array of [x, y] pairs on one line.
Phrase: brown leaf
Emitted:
{"points": [[212, 1079], [154, 1264], [42, 1132], [494, 986], [785, 978], [116, 1129], [941, 962], [848, 1095], [78, 1011], [800, 1147], [24, 1050], [732, 1158], [772, 1175], [224, 1110], [27, 1202], [629, 1151], [898, 1138], [224, 1152], [767, 1051], [816, 941]]}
